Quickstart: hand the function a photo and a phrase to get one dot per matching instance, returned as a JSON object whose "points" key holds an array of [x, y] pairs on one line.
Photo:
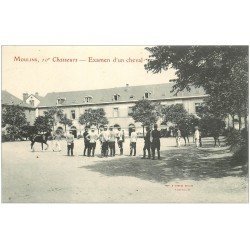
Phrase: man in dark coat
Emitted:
{"points": [[147, 143], [156, 135], [86, 141]]}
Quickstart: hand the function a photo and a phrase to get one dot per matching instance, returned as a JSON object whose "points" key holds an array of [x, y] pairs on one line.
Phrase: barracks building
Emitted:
{"points": [[117, 103]]}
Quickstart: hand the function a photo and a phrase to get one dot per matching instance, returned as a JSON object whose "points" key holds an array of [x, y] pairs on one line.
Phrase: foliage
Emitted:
{"points": [[13, 117], [211, 125], [53, 115], [146, 112], [95, 117], [27, 131], [222, 71], [238, 142], [174, 113], [65, 121], [42, 124]]}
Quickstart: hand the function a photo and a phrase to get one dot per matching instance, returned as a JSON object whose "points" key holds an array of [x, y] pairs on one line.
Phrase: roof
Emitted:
{"points": [[128, 93], [9, 99], [37, 96]]}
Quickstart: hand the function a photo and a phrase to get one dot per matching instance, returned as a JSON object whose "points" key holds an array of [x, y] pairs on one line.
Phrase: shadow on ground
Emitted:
{"points": [[184, 163]]}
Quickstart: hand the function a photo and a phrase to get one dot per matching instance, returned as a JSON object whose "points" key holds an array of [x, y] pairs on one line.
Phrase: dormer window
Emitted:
{"points": [[88, 98], [147, 94], [60, 101], [32, 103], [116, 97]]}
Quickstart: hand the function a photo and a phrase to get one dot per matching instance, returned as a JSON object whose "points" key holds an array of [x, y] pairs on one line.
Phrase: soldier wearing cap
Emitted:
{"points": [[147, 143], [112, 137], [70, 143], [155, 144], [104, 138], [92, 137], [86, 141], [120, 139]]}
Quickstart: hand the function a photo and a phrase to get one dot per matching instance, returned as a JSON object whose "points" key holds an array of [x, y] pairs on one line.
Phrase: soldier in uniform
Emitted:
{"points": [[104, 138], [112, 137], [92, 137], [133, 139], [86, 141], [120, 140], [147, 143], [70, 143], [156, 135]]}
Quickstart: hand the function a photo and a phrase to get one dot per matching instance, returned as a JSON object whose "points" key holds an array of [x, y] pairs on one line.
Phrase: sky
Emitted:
{"points": [[40, 69]]}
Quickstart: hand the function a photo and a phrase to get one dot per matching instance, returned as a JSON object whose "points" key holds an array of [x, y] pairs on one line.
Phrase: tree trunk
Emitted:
{"points": [[239, 116], [246, 123], [143, 130], [233, 120]]}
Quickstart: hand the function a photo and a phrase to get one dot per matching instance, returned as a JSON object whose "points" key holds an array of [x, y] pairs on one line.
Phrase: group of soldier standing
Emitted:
{"points": [[108, 138]]}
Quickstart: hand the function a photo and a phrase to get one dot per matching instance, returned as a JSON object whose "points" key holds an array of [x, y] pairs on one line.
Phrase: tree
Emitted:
{"points": [[28, 130], [13, 117], [53, 115], [95, 117], [65, 121], [221, 70], [146, 112], [42, 124], [174, 113]]}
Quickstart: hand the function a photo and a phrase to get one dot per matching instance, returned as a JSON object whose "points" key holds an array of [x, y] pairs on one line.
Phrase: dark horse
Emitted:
{"points": [[42, 138], [185, 131]]}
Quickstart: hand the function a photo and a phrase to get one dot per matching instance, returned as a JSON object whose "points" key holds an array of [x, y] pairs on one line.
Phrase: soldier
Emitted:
{"points": [[133, 139], [112, 137], [92, 137], [86, 141], [156, 135], [104, 137], [101, 139], [147, 143], [57, 139], [70, 143], [120, 140]]}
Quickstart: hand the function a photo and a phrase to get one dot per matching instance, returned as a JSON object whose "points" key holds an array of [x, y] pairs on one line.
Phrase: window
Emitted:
{"points": [[146, 95], [199, 107], [32, 103], [60, 101], [131, 97], [88, 98], [130, 111], [116, 112], [73, 114], [116, 97]]}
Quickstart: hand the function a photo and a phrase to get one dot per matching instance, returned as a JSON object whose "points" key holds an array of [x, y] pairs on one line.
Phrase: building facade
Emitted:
{"points": [[117, 103], [9, 99]]}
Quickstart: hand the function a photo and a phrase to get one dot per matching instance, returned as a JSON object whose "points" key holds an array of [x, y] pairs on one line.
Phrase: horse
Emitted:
{"points": [[184, 128], [42, 138]]}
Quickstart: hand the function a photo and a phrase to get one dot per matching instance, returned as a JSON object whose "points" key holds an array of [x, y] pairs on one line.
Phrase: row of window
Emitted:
{"points": [[116, 97], [115, 112], [198, 108]]}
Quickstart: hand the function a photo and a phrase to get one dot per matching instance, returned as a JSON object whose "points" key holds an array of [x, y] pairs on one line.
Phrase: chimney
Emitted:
{"points": [[36, 93], [127, 85], [25, 96]]}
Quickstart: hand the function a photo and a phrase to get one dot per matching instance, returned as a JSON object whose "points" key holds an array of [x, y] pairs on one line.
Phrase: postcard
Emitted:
{"points": [[124, 124]]}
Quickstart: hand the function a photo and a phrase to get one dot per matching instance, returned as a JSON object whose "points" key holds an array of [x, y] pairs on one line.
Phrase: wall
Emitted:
{"points": [[123, 119]]}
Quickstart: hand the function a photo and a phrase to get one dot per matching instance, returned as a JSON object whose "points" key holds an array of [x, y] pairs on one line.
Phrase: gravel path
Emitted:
{"points": [[184, 174]]}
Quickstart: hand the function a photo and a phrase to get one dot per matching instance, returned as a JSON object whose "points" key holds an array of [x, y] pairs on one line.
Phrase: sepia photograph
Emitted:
{"points": [[125, 124]]}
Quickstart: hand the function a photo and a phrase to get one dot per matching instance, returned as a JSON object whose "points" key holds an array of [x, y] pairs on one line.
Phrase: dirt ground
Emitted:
{"points": [[184, 174]]}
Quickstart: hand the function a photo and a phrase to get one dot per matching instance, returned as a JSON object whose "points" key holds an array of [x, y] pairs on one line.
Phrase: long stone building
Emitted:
{"points": [[117, 103]]}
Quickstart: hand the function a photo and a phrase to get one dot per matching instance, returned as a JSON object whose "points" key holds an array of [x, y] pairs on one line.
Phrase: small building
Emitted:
{"points": [[9, 99]]}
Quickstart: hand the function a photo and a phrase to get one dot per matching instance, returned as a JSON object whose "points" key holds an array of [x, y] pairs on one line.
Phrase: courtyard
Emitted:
{"points": [[184, 174]]}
